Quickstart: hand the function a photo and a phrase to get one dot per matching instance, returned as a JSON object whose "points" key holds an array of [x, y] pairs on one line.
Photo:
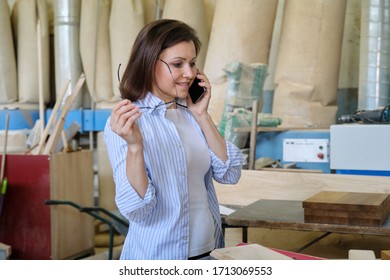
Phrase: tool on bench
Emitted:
{"points": [[379, 116]]}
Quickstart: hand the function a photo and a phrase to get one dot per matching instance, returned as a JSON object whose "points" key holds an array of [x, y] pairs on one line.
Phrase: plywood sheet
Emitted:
{"points": [[343, 214], [71, 179], [342, 220], [349, 201]]}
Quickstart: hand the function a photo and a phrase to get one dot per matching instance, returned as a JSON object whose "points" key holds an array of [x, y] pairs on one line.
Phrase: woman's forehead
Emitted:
{"points": [[182, 50]]}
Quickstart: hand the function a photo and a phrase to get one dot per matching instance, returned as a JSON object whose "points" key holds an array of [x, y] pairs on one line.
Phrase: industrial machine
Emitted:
{"points": [[360, 149]]}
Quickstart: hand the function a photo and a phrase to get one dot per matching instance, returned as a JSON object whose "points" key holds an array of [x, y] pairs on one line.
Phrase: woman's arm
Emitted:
{"points": [[123, 122], [199, 110]]}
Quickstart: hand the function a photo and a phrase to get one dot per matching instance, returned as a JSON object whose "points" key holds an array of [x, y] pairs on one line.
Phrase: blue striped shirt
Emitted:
{"points": [[159, 222]]}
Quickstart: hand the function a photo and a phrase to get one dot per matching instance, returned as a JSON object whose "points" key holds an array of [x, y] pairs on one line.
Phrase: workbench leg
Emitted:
{"points": [[244, 237], [245, 234], [313, 241]]}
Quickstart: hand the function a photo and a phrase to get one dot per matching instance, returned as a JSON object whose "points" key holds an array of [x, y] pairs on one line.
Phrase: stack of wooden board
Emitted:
{"points": [[347, 208]]}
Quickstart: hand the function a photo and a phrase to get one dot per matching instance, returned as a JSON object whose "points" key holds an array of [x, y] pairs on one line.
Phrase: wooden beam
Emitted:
{"points": [[58, 126], [56, 107]]}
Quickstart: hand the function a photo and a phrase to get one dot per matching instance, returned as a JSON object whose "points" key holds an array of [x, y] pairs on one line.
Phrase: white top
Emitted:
{"points": [[198, 163]]}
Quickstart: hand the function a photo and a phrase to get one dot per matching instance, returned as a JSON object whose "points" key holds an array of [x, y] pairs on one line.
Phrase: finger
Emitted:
{"points": [[120, 104], [114, 112], [204, 82], [126, 113], [120, 111], [127, 117], [130, 119]]}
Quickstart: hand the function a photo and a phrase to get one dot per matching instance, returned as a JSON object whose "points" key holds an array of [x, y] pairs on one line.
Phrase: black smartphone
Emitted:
{"points": [[195, 91]]}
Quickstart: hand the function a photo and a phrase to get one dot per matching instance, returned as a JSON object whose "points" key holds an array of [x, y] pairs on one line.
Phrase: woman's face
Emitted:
{"points": [[175, 71]]}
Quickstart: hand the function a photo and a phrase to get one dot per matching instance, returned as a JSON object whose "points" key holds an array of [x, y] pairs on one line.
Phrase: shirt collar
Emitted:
{"points": [[150, 100]]}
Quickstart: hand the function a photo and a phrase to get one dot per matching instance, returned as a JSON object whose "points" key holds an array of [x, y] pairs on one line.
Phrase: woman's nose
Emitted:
{"points": [[190, 72]]}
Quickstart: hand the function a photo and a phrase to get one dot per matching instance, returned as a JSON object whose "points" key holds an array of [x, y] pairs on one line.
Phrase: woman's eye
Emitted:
{"points": [[193, 64], [177, 65]]}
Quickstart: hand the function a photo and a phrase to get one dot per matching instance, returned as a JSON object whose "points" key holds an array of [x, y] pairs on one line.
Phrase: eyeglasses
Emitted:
{"points": [[120, 64], [144, 109], [162, 105], [166, 63], [117, 72]]}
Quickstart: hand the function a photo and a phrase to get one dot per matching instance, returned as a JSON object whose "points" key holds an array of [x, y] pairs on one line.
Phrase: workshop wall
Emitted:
{"points": [[106, 33]]}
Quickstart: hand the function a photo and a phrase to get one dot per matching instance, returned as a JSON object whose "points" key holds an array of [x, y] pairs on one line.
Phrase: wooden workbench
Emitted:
{"points": [[260, 184], [283, 188], [289, 214]]}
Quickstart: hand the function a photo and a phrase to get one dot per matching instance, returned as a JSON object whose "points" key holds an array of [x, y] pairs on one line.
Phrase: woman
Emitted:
{"points": [[165, 150]]}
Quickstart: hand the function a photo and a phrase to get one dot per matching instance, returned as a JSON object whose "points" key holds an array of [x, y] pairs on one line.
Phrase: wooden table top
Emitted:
{"points": [[289, 215]]}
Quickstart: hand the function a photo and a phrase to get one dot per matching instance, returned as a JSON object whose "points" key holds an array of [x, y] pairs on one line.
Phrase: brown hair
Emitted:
{"points": [[153, 38]]}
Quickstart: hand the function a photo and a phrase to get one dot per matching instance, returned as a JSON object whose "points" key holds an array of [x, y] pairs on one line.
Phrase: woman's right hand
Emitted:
{"points": [[123, 122]]}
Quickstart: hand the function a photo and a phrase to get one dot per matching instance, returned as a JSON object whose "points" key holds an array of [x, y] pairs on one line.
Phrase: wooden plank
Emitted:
{"points": [[354, 254], [7, 250], [343, 214], [385, 254], [66, 136], [351, 208], [247, 252], [279, 128], [252, 136], [343, 220], [348, 201], [71, 177], [290, 170], [40, 80], [4, 151], [58, 126], [53, 115]]}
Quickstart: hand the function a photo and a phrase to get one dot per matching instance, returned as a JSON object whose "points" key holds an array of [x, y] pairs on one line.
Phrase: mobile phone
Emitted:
{"points": [[196, 91]]}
